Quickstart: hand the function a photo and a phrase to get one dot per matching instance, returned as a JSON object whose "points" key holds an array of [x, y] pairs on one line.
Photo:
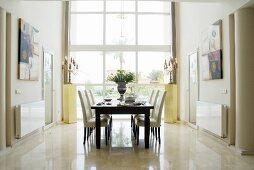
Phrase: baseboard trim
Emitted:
{"points": [[192, 125], [241, 151], [189, 124]]}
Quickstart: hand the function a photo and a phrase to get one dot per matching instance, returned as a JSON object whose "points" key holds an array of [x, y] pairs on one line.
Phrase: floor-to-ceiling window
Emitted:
{"points": [[107, 35]]}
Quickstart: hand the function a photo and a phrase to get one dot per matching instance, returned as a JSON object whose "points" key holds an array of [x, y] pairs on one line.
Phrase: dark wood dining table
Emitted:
{"points": [[115, 108]]}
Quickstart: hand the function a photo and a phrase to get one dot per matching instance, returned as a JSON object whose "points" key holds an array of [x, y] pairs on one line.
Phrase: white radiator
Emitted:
{"points": [[29, 117], [212, 117]]}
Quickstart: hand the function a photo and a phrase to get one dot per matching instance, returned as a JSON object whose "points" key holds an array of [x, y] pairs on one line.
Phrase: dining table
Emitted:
{"points": [[121, 108]]}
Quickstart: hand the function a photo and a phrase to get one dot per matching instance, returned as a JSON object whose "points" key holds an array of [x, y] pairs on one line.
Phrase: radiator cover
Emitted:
{"points": [[212, 117], [29, 117]]}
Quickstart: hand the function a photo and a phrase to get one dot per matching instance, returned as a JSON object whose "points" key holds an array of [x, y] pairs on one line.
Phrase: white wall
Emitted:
{"points": [[47, 18], [192, 20]]}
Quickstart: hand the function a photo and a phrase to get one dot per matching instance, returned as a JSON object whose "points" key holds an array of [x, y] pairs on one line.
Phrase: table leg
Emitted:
{"points": [[98, 130], [147, 127]]}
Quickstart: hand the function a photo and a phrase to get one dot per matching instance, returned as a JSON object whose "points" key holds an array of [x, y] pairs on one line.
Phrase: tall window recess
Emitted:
{"points": [[106, 35]]}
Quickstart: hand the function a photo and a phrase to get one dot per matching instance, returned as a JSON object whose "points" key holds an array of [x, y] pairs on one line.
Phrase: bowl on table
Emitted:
{"points": [[107, 99], [130, 99]]}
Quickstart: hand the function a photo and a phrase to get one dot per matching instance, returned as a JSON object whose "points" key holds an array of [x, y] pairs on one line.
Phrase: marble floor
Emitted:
{"points": [[61, 148]]}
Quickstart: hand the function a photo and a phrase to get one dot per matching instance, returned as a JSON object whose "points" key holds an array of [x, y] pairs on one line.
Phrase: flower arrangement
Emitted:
{"points": [[121, 76]]}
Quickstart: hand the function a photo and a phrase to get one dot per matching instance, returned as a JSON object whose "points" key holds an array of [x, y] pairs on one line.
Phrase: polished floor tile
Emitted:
{"points": [[182, 148]]}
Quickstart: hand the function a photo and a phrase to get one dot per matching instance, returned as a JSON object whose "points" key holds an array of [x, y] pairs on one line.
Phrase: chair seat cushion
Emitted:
{"points": [[140, 121], [105, 116], [91, 122], [138, 115]]}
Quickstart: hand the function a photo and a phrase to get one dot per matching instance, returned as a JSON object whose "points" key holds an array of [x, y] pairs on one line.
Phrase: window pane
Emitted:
{"points": [[144, 91], [97, 92], [120, 60], [153, 6], [120, 6], [154, 30], [120, 29], [111, 92], [150, 65], [86, 29], [86, 6], [90, 67]]}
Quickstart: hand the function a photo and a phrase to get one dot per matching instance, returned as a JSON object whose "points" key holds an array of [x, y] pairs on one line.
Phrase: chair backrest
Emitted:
{"points": [[91, 97], [89, 103], [158, 106], [151, 97], [153, 102], [84, 106]]}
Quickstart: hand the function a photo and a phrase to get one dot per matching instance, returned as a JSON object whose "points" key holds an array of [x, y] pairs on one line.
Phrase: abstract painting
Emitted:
{"points": [[211, 56], [28, 59]]}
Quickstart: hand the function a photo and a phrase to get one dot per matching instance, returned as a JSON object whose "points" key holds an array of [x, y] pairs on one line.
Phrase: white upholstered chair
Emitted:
{"points": [[88, 120], [155, 118], [91, 101], [150, 100]]}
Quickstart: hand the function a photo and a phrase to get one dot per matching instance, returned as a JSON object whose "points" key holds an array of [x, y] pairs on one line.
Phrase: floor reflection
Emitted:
{"points": [[121, 134], [61, 147]]}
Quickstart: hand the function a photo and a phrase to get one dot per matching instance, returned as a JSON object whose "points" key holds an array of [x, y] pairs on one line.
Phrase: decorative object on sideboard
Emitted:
{"points": [[170, 68], [69, 67]]}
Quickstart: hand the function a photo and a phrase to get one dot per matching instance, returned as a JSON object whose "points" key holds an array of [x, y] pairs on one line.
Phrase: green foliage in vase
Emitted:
{"points": [[121, 76]]}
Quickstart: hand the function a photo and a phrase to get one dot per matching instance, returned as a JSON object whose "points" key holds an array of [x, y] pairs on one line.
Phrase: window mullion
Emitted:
{"points": [[104, 42], [136, 34]]}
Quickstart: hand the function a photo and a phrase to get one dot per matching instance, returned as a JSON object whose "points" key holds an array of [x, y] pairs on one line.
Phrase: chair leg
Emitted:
{"points": [[155, 133], [84, 136], [131, 121], [88, 133], [106, 135], [109, 133], [134, 131], [109, 129], [110, 123], [137, 136], [159, 136]]}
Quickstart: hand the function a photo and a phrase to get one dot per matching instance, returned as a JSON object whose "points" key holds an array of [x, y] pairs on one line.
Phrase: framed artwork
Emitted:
{"points": [[28, 52], [211, 55]]}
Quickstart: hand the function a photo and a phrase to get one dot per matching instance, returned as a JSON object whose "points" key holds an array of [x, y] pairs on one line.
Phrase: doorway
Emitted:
{"points": [[48, 87], [193, 86]]}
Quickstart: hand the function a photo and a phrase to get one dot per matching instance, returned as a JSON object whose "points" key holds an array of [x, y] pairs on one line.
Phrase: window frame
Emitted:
{"points": [[104, 48]]}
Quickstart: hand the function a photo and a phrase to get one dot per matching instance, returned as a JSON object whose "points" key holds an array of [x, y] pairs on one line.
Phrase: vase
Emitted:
{"points": [[121, 88]]}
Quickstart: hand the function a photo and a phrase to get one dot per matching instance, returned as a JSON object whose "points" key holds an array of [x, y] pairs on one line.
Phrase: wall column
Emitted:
{"points": [[2, 79], [244, 68]]}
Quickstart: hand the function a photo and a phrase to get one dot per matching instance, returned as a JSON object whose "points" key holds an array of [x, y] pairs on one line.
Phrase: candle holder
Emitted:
{"points": [[170, 68], [69, 67]]}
